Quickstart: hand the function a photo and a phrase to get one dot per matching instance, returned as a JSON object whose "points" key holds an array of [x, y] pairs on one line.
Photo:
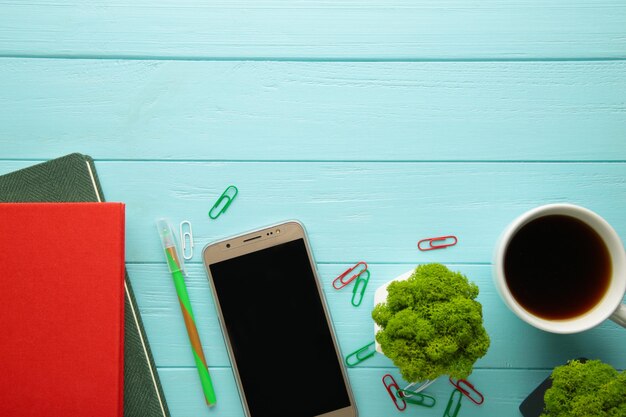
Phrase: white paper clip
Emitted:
{"points": [[419, 388], [185, 235]]}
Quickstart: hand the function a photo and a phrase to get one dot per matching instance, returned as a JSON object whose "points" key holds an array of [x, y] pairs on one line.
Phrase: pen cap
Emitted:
{"points": [[170, 246]]}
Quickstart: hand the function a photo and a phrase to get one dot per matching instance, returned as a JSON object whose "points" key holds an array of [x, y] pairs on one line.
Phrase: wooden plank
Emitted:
{"points": [[514, 344], [371, 211], [346, 111], [504, 390], [375, 211], [343, 29]]}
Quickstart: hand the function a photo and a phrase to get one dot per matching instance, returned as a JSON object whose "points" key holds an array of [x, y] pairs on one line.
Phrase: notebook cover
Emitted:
{"points": [[62, 309], [533, 405], [73, 178]]}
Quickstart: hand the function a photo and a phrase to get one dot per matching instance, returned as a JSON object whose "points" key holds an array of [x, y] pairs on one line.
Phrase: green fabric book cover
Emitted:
{"points": [[73, 178]]}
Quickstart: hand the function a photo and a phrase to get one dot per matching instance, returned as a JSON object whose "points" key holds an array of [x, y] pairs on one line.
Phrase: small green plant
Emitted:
{"points": [[590, 389], [431, 324]]}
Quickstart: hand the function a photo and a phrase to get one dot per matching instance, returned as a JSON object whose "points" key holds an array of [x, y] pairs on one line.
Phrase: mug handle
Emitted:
{"points": [[619, 316]]}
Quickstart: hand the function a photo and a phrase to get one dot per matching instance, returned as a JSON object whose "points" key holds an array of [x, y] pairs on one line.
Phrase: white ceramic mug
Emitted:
{"points": [[609, 306]]}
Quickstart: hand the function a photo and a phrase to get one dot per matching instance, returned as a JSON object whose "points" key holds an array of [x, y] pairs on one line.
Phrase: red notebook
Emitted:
{"points": [[61, 309]]}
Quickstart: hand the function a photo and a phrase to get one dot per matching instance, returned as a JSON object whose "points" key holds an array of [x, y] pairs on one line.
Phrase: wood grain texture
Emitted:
{"points": [[375, 211], [514, 344], [504, 389], [321, 29], [376, 123], [371, 211], [343, 111], [356, 210]]}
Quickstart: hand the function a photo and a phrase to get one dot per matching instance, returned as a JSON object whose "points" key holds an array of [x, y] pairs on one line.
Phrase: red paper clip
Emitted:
{"points": [[447, 241], [397, 399], [461, 384], [341, 277]]}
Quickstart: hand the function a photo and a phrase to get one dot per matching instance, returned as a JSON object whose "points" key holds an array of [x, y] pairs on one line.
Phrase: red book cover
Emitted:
{"points": [[61, 309]]}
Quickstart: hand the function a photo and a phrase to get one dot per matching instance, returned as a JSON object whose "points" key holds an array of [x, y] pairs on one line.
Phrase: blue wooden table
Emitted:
{"points": [[374, 122]]}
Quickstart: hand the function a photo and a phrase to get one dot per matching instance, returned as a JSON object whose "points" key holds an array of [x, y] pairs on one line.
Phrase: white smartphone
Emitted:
{"points": [[277, 327]]}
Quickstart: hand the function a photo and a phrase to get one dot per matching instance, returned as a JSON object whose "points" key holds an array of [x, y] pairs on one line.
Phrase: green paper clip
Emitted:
{"points": [[416, 398], [360, 355], [452, 403], [357, 295], [226, 198]]}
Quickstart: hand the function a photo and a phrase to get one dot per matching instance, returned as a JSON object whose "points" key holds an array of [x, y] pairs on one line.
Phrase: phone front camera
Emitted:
{"points": [[228, 245]]}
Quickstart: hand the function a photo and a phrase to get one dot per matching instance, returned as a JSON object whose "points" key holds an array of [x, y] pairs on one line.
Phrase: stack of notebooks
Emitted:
{"points": [[63, 271]]}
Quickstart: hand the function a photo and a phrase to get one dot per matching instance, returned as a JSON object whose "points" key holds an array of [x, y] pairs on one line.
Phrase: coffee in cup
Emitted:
{"points": [[562, 268]]}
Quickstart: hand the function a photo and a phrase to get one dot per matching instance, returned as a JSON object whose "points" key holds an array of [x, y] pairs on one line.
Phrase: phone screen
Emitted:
{"points": [[279, 335]]}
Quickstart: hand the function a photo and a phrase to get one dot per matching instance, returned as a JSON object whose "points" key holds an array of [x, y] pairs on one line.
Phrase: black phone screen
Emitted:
{"points": [[279, 335]]}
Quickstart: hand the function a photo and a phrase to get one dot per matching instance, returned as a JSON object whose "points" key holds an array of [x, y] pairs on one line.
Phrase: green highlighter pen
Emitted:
{"points": [[176, 268]]}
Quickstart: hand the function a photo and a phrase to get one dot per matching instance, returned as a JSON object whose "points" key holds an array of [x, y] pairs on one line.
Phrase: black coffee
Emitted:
{"points": [[557, 267]]}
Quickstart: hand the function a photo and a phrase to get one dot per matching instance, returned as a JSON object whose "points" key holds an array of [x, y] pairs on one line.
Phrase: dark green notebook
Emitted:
{"points": [[73, 178]]}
